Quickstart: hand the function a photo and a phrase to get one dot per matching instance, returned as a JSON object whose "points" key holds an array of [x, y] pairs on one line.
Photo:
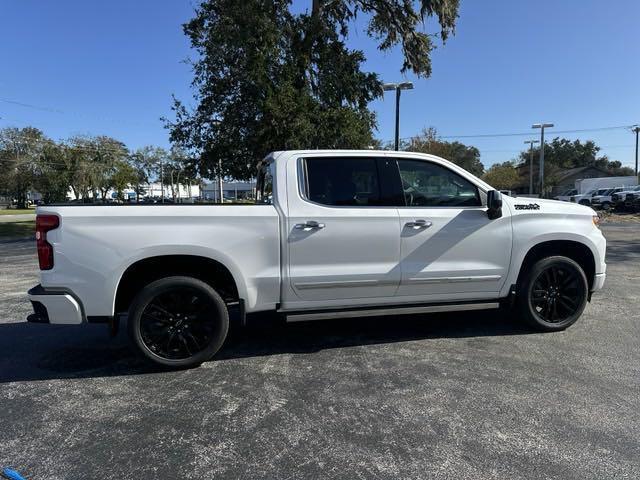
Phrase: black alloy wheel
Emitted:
{"points": [[554, 293], [178, 322]]}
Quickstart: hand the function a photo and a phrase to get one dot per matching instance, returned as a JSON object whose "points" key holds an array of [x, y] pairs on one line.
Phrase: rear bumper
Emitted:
{"points": [[54, 307]]}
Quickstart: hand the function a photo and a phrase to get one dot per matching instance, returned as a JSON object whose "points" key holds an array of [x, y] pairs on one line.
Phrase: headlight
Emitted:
{"points": [[596, 221]]}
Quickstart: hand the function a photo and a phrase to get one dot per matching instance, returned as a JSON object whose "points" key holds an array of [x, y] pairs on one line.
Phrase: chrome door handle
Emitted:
{"points": [[308, 226], [418, 224]]}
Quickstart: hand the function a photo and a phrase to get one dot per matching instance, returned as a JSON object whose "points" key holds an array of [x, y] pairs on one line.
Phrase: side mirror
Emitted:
{"points": [[494, 204]]}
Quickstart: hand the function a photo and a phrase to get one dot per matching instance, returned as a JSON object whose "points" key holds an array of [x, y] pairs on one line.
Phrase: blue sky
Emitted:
{"points": [[111, 67]]}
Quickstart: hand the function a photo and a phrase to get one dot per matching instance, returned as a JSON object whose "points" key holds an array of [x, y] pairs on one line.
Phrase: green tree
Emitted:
{"points": [[268, 79], [20, 151], [148, 162], [465, 156], [123, 175], [561, 154], [91, 162], [52, 176], [173, 171], [107, 157], [502, 176]]}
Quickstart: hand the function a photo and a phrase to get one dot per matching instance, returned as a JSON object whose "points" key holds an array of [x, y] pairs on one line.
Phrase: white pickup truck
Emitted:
{"points": [[333, 234]]}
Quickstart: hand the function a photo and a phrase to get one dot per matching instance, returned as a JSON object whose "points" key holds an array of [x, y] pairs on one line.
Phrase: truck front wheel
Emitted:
{"points": [[178, 322], [553, 293]]}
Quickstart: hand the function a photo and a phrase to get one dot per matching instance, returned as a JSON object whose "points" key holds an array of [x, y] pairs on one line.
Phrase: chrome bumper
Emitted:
{"points": [[54, 307]]}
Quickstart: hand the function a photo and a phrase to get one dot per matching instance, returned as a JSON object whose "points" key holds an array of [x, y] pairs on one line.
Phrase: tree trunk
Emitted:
{"points": [[304, 63]]}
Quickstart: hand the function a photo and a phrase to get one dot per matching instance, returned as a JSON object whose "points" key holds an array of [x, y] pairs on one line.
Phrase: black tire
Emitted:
{"points": [[178, 322], [553, 293], [606, 206]]}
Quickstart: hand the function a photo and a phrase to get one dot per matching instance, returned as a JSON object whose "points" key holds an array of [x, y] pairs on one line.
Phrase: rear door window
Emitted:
{"points": [[342, 182]]}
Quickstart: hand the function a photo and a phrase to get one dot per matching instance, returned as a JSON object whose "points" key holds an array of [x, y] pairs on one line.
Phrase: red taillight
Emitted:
{"points": [[44, 223]]}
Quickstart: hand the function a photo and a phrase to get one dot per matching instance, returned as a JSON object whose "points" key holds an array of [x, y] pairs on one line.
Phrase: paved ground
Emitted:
{"points": [[455, 396]]}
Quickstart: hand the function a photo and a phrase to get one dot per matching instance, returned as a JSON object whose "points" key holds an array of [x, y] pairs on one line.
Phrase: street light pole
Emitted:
{"points": [[531, 142], [397, 139], [398, 87], [542, 126], [635, 130]]}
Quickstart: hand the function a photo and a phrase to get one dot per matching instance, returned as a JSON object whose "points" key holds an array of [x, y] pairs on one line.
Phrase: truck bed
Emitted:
{"points": [[95, 244]]}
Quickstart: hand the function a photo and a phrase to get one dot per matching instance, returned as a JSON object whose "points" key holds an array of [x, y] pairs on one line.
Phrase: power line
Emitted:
{"points": [[524, 134], [518, 151], [29, 105], [76, 114], [126, 150], [528, 134]]}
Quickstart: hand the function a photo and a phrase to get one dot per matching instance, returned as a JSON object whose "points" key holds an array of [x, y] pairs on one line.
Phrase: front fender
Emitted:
{"points": [[556, 229]]}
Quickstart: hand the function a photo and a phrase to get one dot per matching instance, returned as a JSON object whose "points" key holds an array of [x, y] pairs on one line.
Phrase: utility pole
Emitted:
{"points": [[161, 182], [220, 188], [217, 124], [542, 126], [398, 87], [635, 130], [531, 142]]}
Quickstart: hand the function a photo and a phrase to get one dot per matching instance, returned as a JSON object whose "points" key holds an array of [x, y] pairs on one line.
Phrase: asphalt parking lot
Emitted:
{"points": [[446, 397]]}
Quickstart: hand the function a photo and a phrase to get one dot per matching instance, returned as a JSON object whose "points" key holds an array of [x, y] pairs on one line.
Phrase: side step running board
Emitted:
{"points": [[376, 312]]}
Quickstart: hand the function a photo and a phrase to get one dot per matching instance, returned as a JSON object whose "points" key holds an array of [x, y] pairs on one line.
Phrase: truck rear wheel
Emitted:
{"points": [[178, 322], [553, 293]]}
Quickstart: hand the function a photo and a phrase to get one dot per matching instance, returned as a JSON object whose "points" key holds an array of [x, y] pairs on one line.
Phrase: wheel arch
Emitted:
{"points": [[577, 251], [148, 269]]}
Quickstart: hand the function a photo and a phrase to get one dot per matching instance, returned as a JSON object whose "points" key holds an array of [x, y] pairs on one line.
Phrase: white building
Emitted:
{"points": [[184, 192], [180, 191], [231, 190]]}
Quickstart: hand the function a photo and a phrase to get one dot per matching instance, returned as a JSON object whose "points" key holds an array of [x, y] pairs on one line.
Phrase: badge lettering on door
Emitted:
{"points": [[529, 206]]}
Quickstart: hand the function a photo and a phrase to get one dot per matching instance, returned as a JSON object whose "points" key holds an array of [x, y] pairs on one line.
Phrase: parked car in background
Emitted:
{"points": [[596, 183], [566, 195], [583, 198], [619, 200], [631, 200], [603, 200]]}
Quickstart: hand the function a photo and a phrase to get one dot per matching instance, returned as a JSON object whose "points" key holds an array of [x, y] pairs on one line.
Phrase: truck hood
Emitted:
{"points": [[523, 205]]}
